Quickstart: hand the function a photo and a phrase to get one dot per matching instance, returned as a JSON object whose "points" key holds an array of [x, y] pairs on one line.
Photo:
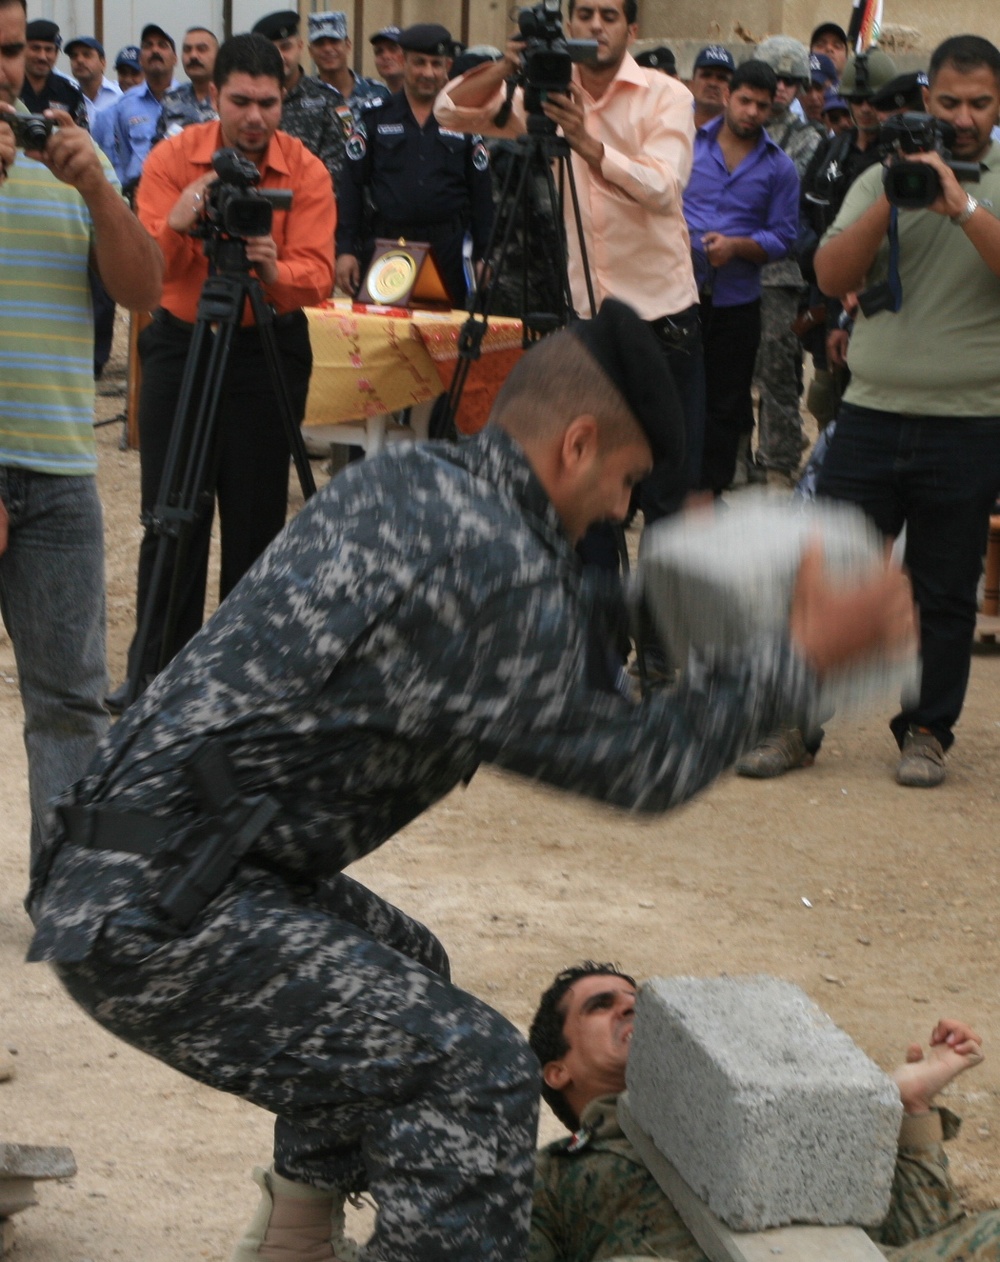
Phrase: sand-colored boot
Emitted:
{"points": [[295, 1223]]}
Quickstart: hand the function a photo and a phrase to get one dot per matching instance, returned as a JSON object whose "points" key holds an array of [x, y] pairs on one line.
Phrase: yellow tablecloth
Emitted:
{"points": [[367, 363]]}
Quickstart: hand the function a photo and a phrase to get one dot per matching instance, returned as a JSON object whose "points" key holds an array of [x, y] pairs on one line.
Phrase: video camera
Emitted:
{"points": [[234, 207], [548, 58], [915, 185]]}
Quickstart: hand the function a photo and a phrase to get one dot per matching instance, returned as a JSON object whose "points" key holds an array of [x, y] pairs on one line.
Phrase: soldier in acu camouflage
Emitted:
{"points": [[422, 614], [778, 374], [595, 1200]]}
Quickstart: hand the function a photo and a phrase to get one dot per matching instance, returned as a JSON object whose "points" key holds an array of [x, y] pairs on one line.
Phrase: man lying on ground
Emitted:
{"points": [[595, 1201]]}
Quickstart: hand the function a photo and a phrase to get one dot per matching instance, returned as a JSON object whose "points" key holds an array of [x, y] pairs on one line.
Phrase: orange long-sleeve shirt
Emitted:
{"points": [[303, 234]]}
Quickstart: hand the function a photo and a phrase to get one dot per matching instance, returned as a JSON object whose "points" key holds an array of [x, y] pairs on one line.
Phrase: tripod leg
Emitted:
{"points": [[264, 319]]}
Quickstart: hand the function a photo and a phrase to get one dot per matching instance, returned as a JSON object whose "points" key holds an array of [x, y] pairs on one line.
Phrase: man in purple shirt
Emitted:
{"points": [[741, 207]]}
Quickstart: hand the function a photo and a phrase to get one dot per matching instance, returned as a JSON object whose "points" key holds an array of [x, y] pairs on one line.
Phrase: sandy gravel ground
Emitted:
{"points": [[880, 901]]}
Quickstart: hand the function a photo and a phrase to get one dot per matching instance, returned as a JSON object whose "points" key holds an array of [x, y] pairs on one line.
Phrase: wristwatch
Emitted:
{"points": [[963, 216]]}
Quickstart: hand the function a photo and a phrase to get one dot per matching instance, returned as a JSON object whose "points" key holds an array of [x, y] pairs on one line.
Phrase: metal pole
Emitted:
{"points": [[358, 34], [464, 37], [99, 20]]}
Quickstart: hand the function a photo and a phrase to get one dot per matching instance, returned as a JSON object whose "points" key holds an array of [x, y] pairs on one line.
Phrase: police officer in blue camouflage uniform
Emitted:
{"points": [[426, 183], [312, 111], [192, 101], [422, 614], [330, 48]]}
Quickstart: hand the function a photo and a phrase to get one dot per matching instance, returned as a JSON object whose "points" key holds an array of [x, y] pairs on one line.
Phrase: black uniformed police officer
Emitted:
{"points": [[426, 183]]}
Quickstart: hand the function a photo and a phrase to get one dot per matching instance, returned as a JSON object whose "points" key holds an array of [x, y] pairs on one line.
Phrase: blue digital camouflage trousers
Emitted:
{"points": [[333, 1009]]}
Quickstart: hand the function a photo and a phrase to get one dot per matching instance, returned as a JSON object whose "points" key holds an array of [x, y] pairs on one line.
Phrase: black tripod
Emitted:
{"points": [[191, 465], [539, 149]]}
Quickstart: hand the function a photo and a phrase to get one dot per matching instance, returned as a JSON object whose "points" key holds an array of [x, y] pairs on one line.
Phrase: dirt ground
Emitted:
{"points": [[880, 901]]}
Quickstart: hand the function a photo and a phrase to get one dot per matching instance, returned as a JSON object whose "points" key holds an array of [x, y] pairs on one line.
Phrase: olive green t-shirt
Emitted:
{"points": [[939, 355]]}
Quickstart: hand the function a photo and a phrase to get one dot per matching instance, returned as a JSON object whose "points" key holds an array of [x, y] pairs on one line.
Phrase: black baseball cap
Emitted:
{"points": [[390, 34], [829, 28]]}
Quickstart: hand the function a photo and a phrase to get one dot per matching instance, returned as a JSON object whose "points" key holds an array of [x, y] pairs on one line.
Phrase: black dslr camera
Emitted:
{"points": [[31, 131], [548, 58], [234, 207], [915, 185]]}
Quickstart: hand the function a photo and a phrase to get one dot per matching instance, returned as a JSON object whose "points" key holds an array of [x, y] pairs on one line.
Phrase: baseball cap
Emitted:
{"points": [[714, 55], [280, 25], [128, 56], [832, 100], [821, 69], [327, 26], [661, 58], [390, 34], [86, 41], [152, 29], [44, 31], [829, 28]]}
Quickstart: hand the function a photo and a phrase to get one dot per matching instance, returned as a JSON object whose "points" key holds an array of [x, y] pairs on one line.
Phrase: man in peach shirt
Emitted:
{"points": [[631, 134], [294, 264]]}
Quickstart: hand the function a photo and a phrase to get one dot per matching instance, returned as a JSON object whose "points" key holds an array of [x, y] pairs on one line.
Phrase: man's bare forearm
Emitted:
{"points": [[843, 262], [128, 259], [479, 86]]}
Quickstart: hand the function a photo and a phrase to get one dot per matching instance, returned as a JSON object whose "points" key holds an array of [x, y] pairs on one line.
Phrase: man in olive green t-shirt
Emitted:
{"points": [[917, 441]]}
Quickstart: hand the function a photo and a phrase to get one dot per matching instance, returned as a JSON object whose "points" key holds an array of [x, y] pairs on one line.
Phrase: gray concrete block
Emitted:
{"points": [[715, 581], [770, 1113]]}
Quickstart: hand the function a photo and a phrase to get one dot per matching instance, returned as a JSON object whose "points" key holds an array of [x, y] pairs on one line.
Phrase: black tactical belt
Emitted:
{"points": [[131, 832]]}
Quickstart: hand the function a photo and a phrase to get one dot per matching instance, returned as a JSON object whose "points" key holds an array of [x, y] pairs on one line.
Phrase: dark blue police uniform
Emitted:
{"points": [[425, 183]]}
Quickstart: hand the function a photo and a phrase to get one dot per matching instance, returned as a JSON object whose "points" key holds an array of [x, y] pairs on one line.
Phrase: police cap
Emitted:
{"points": [[327, 26], [128, 56], [151, 28], [661, 59], [627, 349], [84, 41], [281, 25], [905, 92], [829, 28], [714, 55], [429, 38], [42, 31], [388, 35]]}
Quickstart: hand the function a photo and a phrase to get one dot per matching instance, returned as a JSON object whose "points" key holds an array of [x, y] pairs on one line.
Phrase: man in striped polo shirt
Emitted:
{"points": [[60, 211]]}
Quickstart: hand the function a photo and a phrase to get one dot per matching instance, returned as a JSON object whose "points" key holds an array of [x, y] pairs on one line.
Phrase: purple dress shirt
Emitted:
{"points": [[760, 200]]}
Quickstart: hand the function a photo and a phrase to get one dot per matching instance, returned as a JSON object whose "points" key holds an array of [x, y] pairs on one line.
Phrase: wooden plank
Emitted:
{"points": [[720, 1243]]}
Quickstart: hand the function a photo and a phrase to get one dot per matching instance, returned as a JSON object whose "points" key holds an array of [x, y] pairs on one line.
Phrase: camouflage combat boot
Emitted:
{"points": [[295, 1223]]}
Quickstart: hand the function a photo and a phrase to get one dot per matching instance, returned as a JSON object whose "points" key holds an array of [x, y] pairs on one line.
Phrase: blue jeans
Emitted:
{"points": [[939, 475], [52, 602]]}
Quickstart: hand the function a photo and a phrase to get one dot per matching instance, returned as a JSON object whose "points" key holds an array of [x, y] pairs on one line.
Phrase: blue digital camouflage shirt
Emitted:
{"points": [[424, 612]]}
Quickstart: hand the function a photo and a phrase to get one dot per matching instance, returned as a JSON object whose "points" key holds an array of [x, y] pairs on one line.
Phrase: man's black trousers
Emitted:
{"points": [[731, 337], [251, 484]]}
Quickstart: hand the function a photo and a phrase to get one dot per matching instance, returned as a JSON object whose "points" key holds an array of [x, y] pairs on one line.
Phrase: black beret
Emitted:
{"points": [[629, 352], [280, 25], [661, 58], [44, 31], [427, 37], [903, 92]]}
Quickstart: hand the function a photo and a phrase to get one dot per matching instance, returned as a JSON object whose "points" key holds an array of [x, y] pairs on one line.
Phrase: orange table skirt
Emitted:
{"points": [[367, 362]]}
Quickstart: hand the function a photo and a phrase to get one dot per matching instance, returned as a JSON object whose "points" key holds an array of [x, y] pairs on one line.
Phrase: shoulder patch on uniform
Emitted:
{"points": [[481, 157], [390, 129]]}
